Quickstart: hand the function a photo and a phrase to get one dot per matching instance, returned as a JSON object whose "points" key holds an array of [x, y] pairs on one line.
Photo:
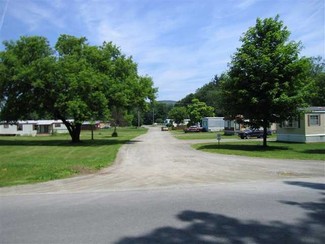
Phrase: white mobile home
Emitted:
{"points": [[232, 127], [308, 127], [213, 123], [32, 127]]}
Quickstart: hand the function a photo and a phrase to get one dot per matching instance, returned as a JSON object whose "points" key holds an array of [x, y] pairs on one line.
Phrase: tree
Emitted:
{"points": [[208, 93], [75, 82], [267, 78], [186, 100], [317, 85], [78, 88], [178, 114], [25, 69], [197, 110]]}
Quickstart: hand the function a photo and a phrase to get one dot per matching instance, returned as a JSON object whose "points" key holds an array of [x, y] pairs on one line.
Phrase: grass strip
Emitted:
{"points": [[26, 159], [179, 134], [276, 150]]}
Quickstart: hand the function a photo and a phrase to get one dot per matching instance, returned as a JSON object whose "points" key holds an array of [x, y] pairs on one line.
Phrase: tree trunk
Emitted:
{"points": [[74, 130], [264, 136], [76, 133]]}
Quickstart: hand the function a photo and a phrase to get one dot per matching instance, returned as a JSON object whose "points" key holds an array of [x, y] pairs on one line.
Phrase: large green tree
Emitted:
{"points": [[197, 110], [74, 82], [178, 114], [78, 92], [267, 78]]}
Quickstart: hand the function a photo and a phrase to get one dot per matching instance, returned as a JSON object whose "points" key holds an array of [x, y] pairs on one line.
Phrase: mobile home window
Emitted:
{"points": [[19, 127], [57, 125], [290, 124], [6, 126], [313, 120]]}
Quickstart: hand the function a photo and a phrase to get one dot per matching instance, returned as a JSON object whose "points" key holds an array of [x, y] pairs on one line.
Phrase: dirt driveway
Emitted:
{"points": [[158, 159]]}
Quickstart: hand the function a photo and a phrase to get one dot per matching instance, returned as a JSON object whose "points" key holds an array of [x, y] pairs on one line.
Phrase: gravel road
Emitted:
{"points": [[157, 159]]}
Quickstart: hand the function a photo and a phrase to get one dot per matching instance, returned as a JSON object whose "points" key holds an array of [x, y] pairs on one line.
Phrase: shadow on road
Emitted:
{"points": [[316, 186], [204, 227]]}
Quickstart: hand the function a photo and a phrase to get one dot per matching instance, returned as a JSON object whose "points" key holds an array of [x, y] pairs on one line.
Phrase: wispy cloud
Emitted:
{"points": [[35, 15], [182, 44], [244, 4], [3, 7]]}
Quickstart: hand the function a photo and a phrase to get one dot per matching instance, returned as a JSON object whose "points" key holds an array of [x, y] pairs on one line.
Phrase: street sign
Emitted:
{"points": [[219, 138]]}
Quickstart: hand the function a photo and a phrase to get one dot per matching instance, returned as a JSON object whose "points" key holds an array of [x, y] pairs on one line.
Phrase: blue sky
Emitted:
{"points": [[181, 44]]}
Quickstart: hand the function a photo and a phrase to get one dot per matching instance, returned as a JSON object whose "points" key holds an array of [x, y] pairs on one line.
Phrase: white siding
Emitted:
{"points": [[29, 127], [213, 123]]}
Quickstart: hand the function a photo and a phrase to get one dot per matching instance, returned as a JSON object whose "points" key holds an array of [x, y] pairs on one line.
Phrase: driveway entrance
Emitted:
{"points": [[157, 159]]}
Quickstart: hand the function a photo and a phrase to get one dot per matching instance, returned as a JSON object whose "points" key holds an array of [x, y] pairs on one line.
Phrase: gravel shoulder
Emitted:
{"points": [[156, 159]]}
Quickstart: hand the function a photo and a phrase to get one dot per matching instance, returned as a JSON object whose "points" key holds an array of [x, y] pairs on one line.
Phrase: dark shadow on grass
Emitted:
{"points": [[238, 147], [205, 227], [64, 143], [315, 151]]}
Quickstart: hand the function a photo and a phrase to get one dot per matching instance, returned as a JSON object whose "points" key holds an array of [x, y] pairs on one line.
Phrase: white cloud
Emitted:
{"points": [[4, 7], [182, 44], [35, 15], [244, 4]]}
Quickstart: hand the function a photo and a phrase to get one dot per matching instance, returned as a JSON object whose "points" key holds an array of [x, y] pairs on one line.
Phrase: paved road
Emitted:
{"points": [[157, 159], [273, 211]]}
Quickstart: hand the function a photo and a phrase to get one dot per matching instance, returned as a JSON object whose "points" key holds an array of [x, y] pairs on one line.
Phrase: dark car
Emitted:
{"points": [[252, 133], [193, 129]]}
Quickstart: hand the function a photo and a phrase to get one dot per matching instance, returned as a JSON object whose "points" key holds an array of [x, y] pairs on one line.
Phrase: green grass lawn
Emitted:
{"points": [[279, 150], [179, 134], [25, 159]]}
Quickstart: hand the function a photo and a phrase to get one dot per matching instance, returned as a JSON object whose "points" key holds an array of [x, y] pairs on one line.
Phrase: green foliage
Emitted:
{"points": [[267, 79], [178, 114], [197, 110], [157, 111], [208, 93], [75, 81], [316, 89]]}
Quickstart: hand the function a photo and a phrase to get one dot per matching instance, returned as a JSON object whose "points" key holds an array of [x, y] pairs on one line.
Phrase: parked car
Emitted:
{"points": [[193, 129], [252, 133], [164, 128]]}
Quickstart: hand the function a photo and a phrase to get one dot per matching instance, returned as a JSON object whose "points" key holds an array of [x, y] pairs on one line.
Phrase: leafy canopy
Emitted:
{"points": [[197, 110], [178, 114], [74, 82], [267, 78]]}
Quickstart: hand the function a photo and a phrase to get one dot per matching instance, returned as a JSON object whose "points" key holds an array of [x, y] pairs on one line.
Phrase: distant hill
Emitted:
{"points": [[168, 102]]}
